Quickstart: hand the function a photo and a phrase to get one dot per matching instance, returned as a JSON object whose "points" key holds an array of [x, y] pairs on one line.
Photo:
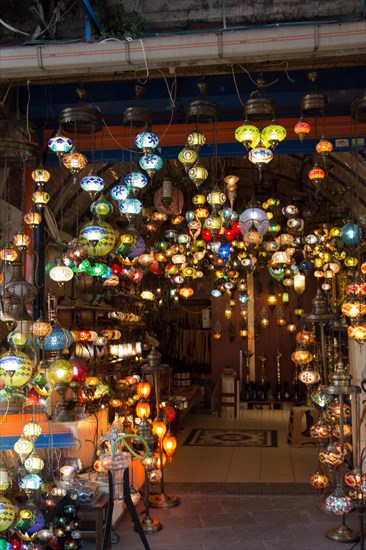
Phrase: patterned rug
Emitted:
{"points": [[231, 438]]}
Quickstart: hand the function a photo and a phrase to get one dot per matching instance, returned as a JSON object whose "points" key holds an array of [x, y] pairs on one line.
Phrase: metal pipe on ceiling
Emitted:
{"points": [[256, 45]]}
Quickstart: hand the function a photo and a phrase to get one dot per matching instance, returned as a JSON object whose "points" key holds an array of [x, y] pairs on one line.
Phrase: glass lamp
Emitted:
{"points": [[273, 134], [61, 274], [40, 198], [60, 372], [60, 144], [248, 135], [254, 216], [40, 176], [119, 192], [92, 185], [302, 129], [196, 140], [93, 233], [187, 157], [316, 175], [75, 162], [151, 163], [21, 241], [136, 180], [351, 234], [147, 141], [198, 173], [33, 219], [9, 254], [260, 156]]}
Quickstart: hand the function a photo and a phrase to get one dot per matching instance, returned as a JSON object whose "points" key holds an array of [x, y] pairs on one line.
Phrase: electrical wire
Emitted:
{"points": [[10, 28]]}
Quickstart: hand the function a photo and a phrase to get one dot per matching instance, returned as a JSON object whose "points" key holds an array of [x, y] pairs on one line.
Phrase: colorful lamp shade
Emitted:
{"points": [[324, 147], [60, 144], [198, 173], [58, 340], [169, 444], [92, 185], [273, 134], [40, 176], [40, 198], [147, 141], [136, 180], [351, 234], [316, 175], [61, 274], [254, 216], [302, 129], [41, 328], [20, 376], [151, 163], [186, 292], [357, 332], [130, 207], [33, 219], [101, 207], [216, 198], [187, 157], [248, 135], [8, 255], [93, 232], [353, 308], [98, 270], [60, 372], [338, 504], [319, 480], [74, 161], [260, 155], [302, 356], [119, 192], [21, 241], [196, 140], [10, 363], [7, 514]]}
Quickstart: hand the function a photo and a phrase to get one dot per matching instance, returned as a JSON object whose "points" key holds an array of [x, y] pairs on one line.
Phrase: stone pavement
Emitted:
{"points": [[238, 517]]}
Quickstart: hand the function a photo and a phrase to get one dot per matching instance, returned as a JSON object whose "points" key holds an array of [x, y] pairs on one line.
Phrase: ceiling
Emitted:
{"points": [[36, 106]]}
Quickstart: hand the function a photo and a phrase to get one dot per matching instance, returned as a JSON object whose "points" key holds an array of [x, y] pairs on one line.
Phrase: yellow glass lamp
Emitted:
{"points": [[143, 389], [159, 427], [142, 409], [60, 372], [169, 444]]}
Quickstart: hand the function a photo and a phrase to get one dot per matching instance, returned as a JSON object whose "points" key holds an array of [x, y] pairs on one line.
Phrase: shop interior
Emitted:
{"points": [[182, 293]]}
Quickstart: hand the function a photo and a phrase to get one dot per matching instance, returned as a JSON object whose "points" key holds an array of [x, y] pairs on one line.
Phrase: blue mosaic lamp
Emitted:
{"points": [[151, 163], [130, 207], [92, 185], [60, 144], [147, 141], [224, 251], [58, 340], [136, 180], [93, 233], [119, 192]]}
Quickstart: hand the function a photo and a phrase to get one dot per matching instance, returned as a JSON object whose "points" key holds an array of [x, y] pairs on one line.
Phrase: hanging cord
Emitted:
{"points": [[27, 111]]}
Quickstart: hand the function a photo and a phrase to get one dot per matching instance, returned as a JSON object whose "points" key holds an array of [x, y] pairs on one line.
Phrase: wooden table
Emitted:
{"points": [[94, 514]]}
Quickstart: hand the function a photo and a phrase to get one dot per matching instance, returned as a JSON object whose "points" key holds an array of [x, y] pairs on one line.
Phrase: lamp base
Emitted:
{"points": [[163, 501], [343, 533], [150, 525]]}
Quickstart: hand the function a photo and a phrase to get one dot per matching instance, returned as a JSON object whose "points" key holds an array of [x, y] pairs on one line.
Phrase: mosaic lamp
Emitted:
{"points": [[302, 129], [75, 162], [147, 141], [93, 232], [40, 198], [254, 216], [33, 219], [60, 144], [151, 163], [273, 134], [92, 185], [351, 234], [135, 180], [248, 135]]}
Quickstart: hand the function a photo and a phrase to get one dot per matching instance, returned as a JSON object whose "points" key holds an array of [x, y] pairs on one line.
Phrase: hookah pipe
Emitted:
{"points": [[129, 503]]}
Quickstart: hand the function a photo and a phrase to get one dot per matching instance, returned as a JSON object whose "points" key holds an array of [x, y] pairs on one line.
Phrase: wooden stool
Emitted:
{"points": [[297, 435], [94, 514]]}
